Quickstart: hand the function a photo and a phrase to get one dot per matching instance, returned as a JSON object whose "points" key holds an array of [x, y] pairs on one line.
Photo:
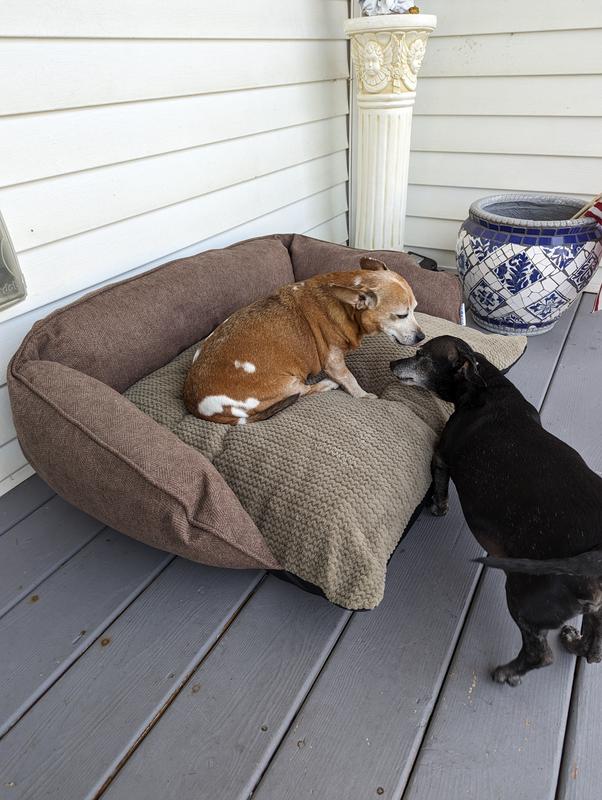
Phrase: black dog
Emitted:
{"points": [[529, 499]]}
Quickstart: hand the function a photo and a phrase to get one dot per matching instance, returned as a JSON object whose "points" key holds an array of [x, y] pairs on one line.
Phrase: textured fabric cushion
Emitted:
{"points": [[437, 293], [332, 481]]}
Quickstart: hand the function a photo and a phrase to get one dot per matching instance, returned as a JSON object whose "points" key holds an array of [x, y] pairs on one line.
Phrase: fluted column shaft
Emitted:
{"points": [[387, 53]]}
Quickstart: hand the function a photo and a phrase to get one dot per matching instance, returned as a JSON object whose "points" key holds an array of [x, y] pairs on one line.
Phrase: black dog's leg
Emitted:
{"points": [[588, 643], [440, 475], [534, 653]]}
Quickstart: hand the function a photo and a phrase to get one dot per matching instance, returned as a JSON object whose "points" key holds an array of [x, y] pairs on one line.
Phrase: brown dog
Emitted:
{"points": [[257, 361]]}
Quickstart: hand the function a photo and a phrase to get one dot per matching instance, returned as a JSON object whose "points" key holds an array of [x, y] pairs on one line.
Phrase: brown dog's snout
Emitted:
{"points": [[419, 336]]}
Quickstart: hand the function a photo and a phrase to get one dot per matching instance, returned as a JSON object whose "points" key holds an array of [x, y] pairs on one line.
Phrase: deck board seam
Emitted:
{"points": [[571, 713], [185, 677], [471, 600], [43, 578], [459, 639], [559, 354], [107, 622], [302, 703], [28, 514]]}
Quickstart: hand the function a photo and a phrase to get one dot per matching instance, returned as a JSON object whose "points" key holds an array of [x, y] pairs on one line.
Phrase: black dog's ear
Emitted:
{"points": [[467, 368]]}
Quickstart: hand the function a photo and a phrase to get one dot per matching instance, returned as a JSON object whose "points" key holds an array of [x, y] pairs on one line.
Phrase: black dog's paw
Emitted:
{"points": [[571, 640], [506, 674], [578, 645], [439, 509]]}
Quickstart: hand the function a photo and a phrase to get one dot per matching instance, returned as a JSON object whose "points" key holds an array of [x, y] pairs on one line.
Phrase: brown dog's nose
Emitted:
{"points": [[419, 336]]}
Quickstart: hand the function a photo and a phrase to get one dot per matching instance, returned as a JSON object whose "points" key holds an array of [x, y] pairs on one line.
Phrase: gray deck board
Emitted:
{"points": [[364, 719], [476, 764], [581, 771], [35, 547], [22, 500], [216, 738], [574, 411], [573, 408], [42, 635], [487, 740], [74, 738]]}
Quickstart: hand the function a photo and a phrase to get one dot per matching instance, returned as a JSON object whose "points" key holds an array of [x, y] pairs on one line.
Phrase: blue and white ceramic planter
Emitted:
{"points": [[523, 260]]}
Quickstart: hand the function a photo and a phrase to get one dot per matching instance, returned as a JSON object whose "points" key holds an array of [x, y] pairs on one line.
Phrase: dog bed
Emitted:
{"points": [[100, 452], [331, 482]]}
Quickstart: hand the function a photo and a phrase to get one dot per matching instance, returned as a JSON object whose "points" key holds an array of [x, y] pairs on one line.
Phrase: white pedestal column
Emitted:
{"points": [[387, 53]]}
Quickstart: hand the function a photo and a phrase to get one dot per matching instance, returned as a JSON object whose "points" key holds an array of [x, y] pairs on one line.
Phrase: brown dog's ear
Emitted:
{"points": [[374, 264], [360, 297]]}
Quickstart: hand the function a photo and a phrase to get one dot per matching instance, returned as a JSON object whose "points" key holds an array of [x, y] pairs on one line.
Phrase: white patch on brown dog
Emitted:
{"points": [[246, 365], [196, 355], [215, 404]]}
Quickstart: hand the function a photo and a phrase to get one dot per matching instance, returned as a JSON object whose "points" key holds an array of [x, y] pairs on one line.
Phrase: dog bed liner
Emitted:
{"points": [[100, 452]]}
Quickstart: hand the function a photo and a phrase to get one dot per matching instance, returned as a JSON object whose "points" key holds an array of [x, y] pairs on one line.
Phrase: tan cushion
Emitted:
{"points": [[332, 481]]}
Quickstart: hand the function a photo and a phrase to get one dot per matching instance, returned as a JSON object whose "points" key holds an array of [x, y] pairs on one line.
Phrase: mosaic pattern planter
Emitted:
{"points": [[523, 261]]}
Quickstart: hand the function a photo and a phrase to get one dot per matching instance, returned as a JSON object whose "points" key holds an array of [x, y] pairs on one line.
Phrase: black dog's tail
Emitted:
{"points": [[585, 564]]}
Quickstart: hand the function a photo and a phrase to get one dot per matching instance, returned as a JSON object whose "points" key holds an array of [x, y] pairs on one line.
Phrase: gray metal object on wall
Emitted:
{"points": [[12, 282]]}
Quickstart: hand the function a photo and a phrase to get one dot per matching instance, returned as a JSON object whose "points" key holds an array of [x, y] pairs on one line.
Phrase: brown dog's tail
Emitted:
{"points": [[584, 565], [271, 410]]}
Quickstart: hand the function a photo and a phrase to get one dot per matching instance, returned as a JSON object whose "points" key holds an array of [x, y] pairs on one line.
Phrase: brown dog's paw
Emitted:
{"points": [[439, 509], [369, 396], [506, 674]]}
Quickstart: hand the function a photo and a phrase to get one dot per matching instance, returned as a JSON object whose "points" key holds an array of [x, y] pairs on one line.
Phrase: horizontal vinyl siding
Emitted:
{"points": [[509, 99], [136, 135], [176, 19]]}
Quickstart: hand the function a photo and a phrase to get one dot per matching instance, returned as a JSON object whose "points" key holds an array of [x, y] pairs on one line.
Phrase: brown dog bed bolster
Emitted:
{"points": [[437, 293], [103, 455], [111, 460]]}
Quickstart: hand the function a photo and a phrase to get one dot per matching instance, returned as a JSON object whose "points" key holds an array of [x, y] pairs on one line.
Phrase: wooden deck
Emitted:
{"points": [[127, 673]]}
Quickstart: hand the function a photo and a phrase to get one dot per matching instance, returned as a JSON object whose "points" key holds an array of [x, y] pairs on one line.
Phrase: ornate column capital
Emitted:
{"points": [[387, 51]]}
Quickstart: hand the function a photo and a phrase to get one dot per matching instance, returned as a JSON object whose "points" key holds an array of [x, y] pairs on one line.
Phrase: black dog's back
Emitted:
{"points": [[541, 499]]}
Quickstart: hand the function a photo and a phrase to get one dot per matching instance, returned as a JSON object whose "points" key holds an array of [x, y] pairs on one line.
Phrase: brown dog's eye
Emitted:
{"points": [[401, 316]]}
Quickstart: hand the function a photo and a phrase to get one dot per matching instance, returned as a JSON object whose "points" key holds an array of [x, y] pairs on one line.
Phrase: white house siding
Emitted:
{"points": [[135, 131], [509, 99]]}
